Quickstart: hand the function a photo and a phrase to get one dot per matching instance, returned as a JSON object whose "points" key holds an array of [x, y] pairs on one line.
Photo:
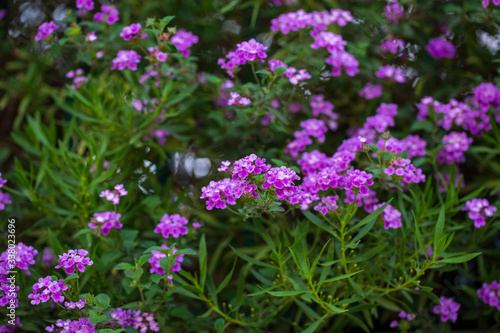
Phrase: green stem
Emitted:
{"points": [[222, 314], [257, 79]]}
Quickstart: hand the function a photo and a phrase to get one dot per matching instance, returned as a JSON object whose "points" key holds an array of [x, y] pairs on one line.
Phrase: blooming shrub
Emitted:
{"points": [[259, 166]]}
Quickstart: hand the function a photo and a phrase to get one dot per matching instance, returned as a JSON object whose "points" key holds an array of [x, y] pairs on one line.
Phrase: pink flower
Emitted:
{"points": [[172, 225], [440, 48], [126, 59], [105, 221], [74, 259], [108, 14], [448, 309], [133, 31], [46, 289], [391, 216], [158, 255], [183, 40], [246, 52], [478, 210], [91, 36], [456, 144], [392, 73], [45, 30], [114, 196], [371, 91]]}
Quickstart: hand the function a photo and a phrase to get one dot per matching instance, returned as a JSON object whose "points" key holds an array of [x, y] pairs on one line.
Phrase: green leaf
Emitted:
{"points": [[285, 293], [317, 221], [334, 308], [203, 261], [71, 277], [95, 318], [265, 235], [102, 301], [166, 20], [123, 265], [226, 279], [341, 277], [279, 71], [314, 326], [219, 324], [459, 259], [187, 251], [55, 245], [438, 232], [356, 288], [368, 223], [250, 259]]}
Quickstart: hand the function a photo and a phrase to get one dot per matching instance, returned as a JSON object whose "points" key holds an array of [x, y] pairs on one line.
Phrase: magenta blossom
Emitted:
{"points": [[138, 320], [478, 210], [440, 48], [158, 255], [46, 289], [183, 40], [172, 225], [108, 14], [74, 259], [133, 31], [126, 59], [45, 30], [226, 191], [371, 91], [105, 221], [448, 309]]}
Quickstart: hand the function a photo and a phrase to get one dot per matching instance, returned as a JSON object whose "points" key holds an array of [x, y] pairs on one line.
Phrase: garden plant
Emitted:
{"points": [[250, 166]]}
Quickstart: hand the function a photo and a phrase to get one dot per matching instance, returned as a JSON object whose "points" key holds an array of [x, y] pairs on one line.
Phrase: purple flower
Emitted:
{"points": [[2, 181], [141, 321], [183, 40], [490, 294], [383, 119], [368, 201], [295, 76], [133, 31], [357, 181], [281, 179], [91, 37], [48, 256], [456, 144], [84, 6], [414, 145], [401, 169], [478, 210], [46, 289], [391, 216], [249, 165], [45, 30], [75, 305], [126, 59], [295, 21], [448, 309], [236, 99], [246, 52], [324, 109], [371, 91], [172, 225], [393, 45], [68, 325], [158, 255], [327, 204], [315, 128], [313, 162], [226, 191], [74, 259], [392, 73], [108, 14], [105, 221], [9, 297], [485, 3], [487, 95], [21, 256], [114, 196], [440, 48], [394, 11]]}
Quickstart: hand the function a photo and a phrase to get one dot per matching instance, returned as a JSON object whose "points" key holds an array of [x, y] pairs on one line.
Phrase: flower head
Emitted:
{"points": [[126, 59], [172, 225], [45, 30], [74, 259]]}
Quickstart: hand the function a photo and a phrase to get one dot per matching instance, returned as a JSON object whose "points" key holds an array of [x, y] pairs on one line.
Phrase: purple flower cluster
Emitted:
{"points": [[371, 91], [393, 45], [172, 225], [4, 196], [402, 169], [9, 296], [456, 144], [183, 40], [236, 99], [84, 6], [126, 59], [294, 21], [391, 216], [75, 305], [487, 95], [384, 117], [281, 178], [368, 201], [357, 181], [414, 145], [108, 14], [405, 317], [311, 127], [394, 11], [10, 328], [248, 165], [48, 256], [485, 3], [105, 221], [391, 73], [20, 256], [70, 326], [45, 289], [74, 259], [114, 196], [490, 294], [141, 321], [327, 204], [155, 53], [448, 309], [77, 76], [323, 108], [133, 31], [45, 30], [91, 37], [478, 210], [440, 48], [339, 57], [246, 52], [158, 255], [312, 162], [226, 191], [296, 76]]}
